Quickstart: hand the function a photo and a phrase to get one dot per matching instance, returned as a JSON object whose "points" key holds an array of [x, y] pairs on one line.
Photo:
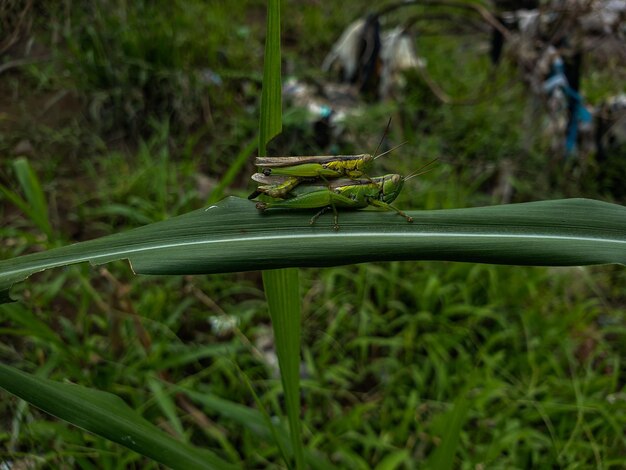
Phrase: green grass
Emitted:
{"points": [[388, 348]]}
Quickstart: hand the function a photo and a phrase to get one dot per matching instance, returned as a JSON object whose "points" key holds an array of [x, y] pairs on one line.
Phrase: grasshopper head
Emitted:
{"points": [[365, 161], [392, 185]]}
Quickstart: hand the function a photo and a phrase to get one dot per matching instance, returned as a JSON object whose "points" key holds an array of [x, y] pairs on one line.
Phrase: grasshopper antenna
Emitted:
{"points": [[422, 170], [391, 150], [381, 142], [382, 138]]}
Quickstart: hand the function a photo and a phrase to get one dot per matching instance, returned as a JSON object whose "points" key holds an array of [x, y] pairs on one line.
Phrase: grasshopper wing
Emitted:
{"points": [[269, 179], [279, 179], [277, 162], [343, 182]]}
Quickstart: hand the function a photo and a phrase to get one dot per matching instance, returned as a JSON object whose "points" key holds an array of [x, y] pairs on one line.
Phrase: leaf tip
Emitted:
{"points": [[5, 296]]}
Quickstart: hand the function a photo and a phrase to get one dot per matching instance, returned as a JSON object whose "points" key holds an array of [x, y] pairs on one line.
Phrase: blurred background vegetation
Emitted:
{"points": [[133, 112]]}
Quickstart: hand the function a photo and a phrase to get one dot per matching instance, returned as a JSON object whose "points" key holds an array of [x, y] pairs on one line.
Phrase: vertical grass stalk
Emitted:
{"points": [[281, 286]]}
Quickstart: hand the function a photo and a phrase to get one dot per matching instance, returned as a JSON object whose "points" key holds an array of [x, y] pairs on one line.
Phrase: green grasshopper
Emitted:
{"points": [[319, 166], [379, 191], [300, 169]]}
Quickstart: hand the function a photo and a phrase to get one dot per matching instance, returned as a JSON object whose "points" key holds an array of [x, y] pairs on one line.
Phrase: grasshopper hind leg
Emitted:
{"points": [[318, 215], [322, 212], [255, 194]]}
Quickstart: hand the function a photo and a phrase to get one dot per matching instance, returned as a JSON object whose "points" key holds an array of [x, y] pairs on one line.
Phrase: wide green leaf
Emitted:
{"points": [[233, 236], [108, 416]]}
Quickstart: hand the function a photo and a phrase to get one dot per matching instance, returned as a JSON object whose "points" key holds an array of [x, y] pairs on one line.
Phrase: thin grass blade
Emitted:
{"points": [[270, 122], [34, 195], [254, 421], [33, 203], [232, 172], [452, 423], [108, 416], [282, 289], [281, 286]]}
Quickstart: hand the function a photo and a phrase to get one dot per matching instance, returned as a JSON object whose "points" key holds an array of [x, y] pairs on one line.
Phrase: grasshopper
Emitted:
{"points": [[300, 169], [378, 191], [319, 166]]}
